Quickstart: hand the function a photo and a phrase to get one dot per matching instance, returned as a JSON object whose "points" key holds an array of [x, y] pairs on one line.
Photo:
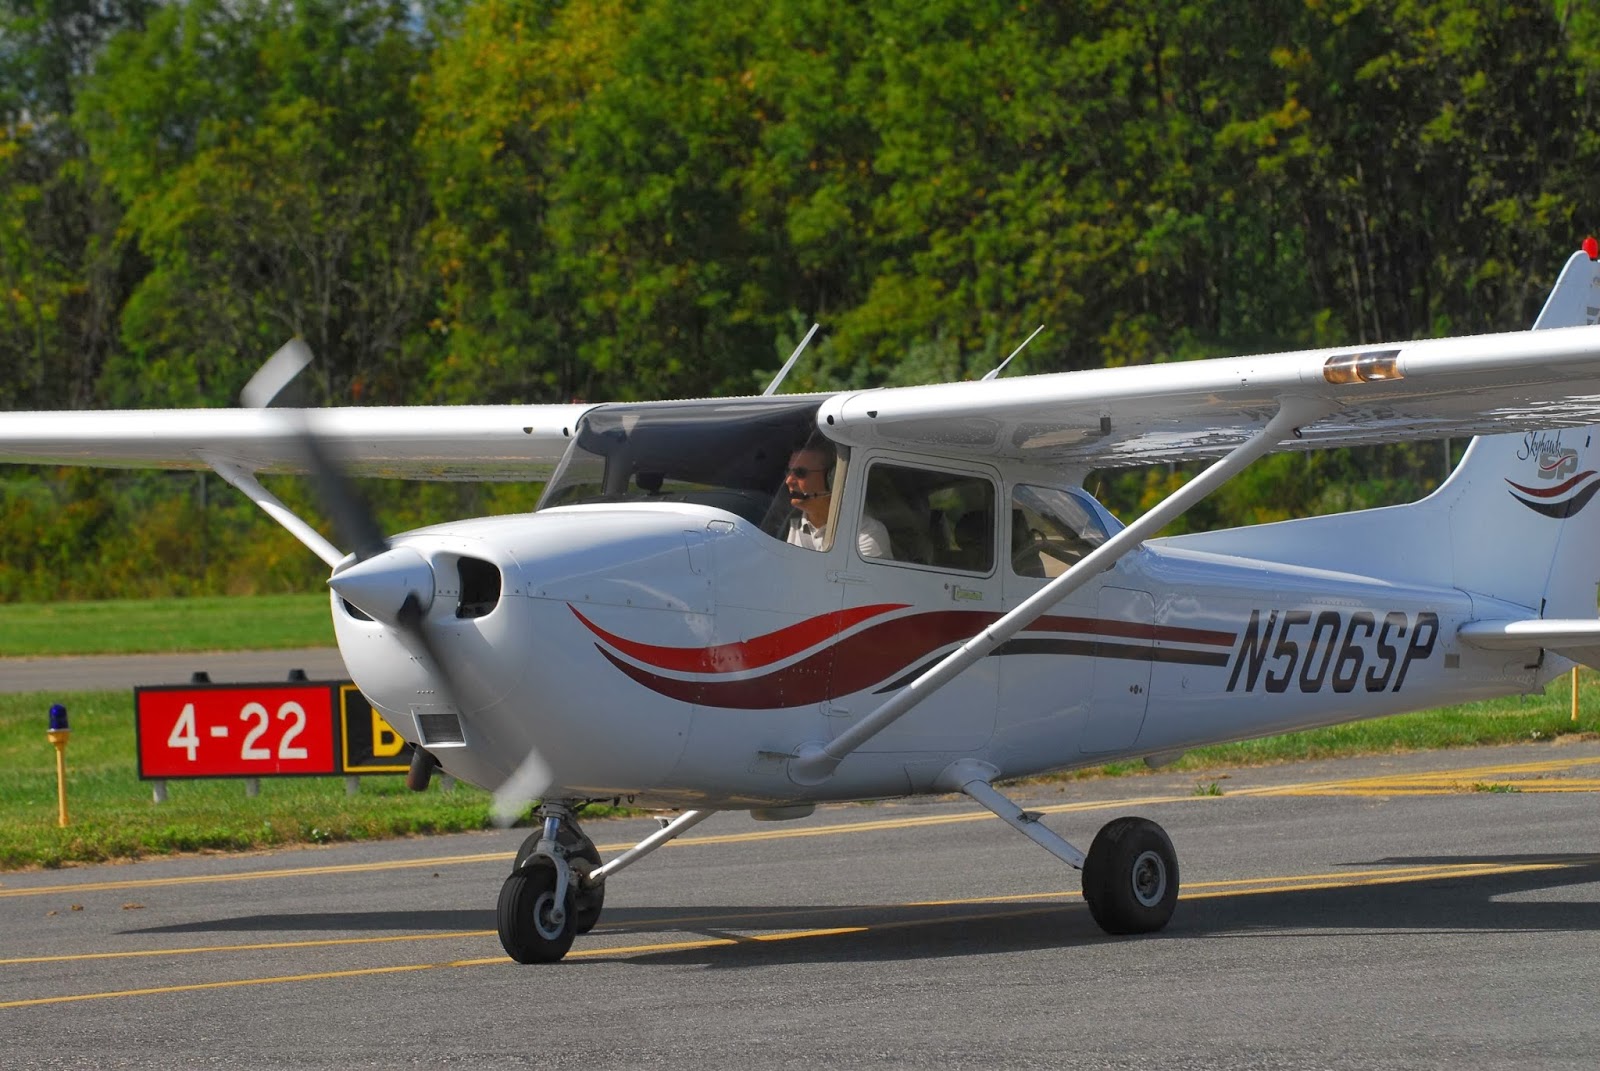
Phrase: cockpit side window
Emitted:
{"points": [[1051, 530], [730, 455]]}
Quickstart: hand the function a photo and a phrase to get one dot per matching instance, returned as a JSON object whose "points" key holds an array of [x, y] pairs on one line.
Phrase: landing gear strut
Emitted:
{"points": [[1130, 876]]}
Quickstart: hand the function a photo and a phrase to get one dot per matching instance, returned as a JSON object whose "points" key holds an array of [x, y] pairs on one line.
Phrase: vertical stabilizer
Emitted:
{"points": [[1523, 522]]}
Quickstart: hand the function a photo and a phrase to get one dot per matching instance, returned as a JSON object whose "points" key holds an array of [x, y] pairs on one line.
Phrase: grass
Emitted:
{"points": [[134, 626], [113, 817]]}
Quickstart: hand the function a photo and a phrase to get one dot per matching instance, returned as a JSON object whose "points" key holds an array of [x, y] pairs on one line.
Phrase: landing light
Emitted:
{"points": [[1373, 367]]}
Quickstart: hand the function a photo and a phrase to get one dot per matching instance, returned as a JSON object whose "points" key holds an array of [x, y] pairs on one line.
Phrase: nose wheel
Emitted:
{"points": [[550, 898], [536, 918]]}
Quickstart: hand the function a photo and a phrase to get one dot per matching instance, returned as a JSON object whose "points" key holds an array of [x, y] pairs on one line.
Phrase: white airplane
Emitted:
{"points": [[664, 628]]}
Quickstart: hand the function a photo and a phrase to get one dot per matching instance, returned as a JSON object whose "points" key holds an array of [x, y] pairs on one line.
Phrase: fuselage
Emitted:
{"points": [[678, 653]]}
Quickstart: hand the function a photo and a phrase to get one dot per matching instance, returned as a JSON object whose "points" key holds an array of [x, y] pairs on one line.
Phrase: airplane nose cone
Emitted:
{"points": [[378, 586]]}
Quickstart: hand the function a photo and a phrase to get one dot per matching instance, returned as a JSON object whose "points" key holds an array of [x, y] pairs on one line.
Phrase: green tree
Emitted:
{"points": [[265, 156], [63, 270]]}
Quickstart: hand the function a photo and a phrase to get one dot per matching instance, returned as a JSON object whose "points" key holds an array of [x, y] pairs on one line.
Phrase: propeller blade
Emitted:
{"points": [[352, 517], [526, 784], [279, 371], [392, 585]]}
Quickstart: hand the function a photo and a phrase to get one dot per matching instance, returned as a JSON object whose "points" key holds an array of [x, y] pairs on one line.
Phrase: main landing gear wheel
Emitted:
{"points": [[1130, 877], [531, 929]]}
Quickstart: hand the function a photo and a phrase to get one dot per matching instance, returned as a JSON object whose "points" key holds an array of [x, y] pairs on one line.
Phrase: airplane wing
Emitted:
{"points": [[1111, 417], [1106, 418], [483, 442]]}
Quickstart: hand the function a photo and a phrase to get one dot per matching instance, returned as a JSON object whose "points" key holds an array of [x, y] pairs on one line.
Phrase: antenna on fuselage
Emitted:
{"points": [[1019, 349], [793, 357]]}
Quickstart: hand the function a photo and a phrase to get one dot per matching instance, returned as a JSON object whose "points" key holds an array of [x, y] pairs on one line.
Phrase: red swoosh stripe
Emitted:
{"points": [[872, 655], [1559, 489], [849, 666], [746, 654]]}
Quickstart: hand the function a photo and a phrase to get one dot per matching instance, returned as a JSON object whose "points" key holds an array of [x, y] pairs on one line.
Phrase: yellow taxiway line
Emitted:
{"points": [[1198, 891]]}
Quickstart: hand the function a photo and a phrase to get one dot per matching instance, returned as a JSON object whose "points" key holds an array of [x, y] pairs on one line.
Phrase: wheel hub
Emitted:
{"points": [[1149, 879], [547, 919]]}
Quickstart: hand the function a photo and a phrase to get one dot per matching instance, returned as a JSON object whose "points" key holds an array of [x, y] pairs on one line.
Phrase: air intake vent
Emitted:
{"points": [[439, 727], [480, 587]]}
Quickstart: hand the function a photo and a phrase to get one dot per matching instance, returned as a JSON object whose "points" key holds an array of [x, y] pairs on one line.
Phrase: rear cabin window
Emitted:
{"points": [[941, 519], [1051, 530]]}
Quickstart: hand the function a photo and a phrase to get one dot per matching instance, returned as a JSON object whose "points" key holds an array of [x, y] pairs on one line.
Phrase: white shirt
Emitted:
{"points": [[872, 540]]}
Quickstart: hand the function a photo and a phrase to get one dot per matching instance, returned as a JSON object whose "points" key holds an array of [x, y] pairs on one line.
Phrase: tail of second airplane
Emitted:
{"points": [[1517, 520]]}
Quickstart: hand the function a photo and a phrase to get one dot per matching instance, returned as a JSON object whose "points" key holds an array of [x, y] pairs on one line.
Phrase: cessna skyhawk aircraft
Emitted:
{"points": [[679, 624]]}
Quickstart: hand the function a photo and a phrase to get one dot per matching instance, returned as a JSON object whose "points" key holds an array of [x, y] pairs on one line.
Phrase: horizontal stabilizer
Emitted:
{"points": [[1574, 638]]}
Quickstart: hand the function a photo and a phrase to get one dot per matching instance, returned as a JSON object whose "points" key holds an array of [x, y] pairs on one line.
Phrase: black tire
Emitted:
{"points": [[589, 902], [1130, 877], [523, 916]]}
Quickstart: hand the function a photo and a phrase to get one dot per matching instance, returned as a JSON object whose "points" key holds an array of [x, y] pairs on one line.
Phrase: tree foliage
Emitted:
{"points": [[536, 200]]}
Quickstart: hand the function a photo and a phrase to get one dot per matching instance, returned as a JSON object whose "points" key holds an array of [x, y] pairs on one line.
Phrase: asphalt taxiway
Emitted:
{"points": [[83, 673], [1438, 910]]}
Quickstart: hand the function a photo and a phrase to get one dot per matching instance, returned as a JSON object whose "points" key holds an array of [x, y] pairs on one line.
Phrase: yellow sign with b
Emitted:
{"points": [[370, 744]]}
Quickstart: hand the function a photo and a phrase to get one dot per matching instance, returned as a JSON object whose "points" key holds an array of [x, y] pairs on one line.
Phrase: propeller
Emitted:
{"points": [[391, 585]]}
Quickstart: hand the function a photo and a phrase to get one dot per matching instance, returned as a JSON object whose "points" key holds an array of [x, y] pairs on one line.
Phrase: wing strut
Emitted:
{"points": [[245, 480], [263, 389], [814, 763]]}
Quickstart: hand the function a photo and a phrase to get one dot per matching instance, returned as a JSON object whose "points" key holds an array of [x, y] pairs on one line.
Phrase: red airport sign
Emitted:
{"points": [[243, 730], [263, 730]]}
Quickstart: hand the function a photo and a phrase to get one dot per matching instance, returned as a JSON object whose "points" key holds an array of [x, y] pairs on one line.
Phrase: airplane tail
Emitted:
{"points": [[1519, 508], [1515, 522]]}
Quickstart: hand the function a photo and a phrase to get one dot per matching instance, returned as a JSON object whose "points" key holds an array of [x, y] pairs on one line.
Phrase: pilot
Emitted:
{"points": [[809, 481]]}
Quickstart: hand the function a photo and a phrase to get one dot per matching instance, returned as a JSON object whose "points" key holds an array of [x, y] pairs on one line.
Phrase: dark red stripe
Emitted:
{"points": [[746, 654], [1132, 630], [878, 652], [1568, 507], [1559, 489], [848, 666]]}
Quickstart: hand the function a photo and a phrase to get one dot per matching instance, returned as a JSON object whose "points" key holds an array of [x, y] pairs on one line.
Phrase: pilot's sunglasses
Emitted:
{"points": [[800, 472]]}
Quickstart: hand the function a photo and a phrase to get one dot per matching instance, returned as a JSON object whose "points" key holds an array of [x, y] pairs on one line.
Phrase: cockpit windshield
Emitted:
{"points": [[731, 455]]}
